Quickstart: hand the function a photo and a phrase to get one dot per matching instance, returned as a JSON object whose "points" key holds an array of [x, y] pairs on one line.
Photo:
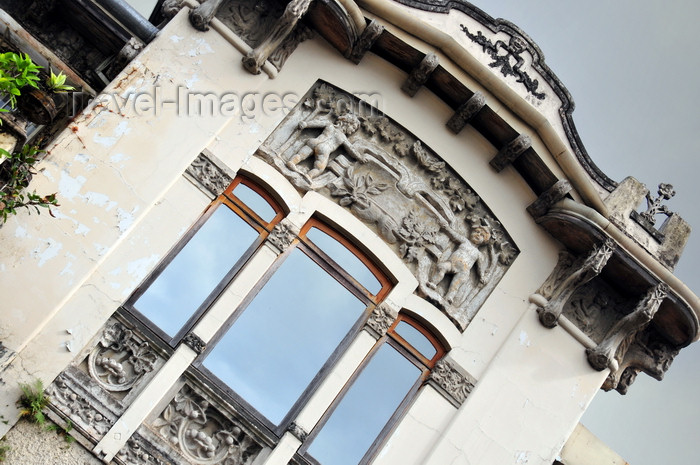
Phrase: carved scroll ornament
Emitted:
{"points": [[346, 150], [570, 274], [451, 381], [622, 334]]}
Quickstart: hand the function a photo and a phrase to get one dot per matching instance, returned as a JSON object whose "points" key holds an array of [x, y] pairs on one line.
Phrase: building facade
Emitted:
{"points": [[327, 232]]}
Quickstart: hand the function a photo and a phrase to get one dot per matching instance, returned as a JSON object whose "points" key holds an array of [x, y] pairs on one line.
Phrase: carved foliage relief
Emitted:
{"points": [[202, 433], [350, 152], [120, 359]]}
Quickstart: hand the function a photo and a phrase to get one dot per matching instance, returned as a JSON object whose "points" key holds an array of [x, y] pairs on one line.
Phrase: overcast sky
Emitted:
{"points": [[633, 69]]}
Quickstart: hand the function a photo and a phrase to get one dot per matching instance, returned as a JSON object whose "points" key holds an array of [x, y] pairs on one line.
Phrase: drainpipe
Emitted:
{"points": [[130, 19]]}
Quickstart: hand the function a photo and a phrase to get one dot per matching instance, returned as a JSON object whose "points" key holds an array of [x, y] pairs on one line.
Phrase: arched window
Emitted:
{"points": [[198, 268], [379, 392]]}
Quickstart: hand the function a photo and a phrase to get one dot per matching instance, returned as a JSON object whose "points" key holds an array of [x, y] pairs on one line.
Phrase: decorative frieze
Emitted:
{"points": [[451, 381], [420, 74], [137, 452], [349, 152], [622, 334], [282, 235], [209, 174], [380, 320], [202, 433], [466, 112], [120, 359], [569, 274], [510, 152], [71, 397], [363, 43]]}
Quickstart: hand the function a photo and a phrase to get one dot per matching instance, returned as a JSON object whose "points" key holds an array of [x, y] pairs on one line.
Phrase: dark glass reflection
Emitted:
{"points": [[196, 270], [348, 260], [366, 408], [280, 342], [255, 202], [417, 339]]}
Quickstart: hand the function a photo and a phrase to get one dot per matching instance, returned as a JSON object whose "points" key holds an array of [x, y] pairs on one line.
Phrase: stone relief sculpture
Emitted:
{"points": [[202, 433], [120, 359], [343, 148]]}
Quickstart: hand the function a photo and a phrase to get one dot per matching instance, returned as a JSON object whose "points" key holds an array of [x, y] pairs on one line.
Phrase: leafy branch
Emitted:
{"points": [[16, 172], [17, 71]]}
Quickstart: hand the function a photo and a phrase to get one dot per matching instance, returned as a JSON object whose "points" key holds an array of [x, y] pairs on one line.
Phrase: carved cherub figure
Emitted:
{"points": [[332, 137], [461, 261]]}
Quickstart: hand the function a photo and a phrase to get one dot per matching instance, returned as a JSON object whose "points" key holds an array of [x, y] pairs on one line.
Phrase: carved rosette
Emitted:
{"points": [[202, 433], [380, 320], [451, 381], [120, 359], [282, 235], [401, 189], [208, 175]]}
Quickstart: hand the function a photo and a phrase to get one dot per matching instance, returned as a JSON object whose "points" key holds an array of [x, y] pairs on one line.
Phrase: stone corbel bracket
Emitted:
{"points": [[466, 112], [569, 274], [364, 42], [619, 338], [420, 74], [510, 152], [201, 16]]}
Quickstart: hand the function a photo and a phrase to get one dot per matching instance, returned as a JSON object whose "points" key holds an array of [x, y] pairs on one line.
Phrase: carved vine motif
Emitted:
{"points": [[120, 359], [282, 235], [381, 319], [512, 50], [136, 453], [451, 381], [202, 433], [77, 406], [348, 151]]}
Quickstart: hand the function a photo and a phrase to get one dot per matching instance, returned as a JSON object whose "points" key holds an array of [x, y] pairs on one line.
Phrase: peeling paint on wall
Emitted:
{"points": [[51, 251]]}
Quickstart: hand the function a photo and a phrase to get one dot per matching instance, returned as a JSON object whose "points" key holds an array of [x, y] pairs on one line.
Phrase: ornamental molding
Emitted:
{"points": [[209, 174], [380, 320], [282, 235], [73, 394], [204, 434], [516, 43], [451, 381], [346, 150]]}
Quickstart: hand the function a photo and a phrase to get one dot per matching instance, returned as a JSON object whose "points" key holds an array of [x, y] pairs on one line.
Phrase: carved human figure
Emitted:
{"points": [[460, 263], [333, 136]]}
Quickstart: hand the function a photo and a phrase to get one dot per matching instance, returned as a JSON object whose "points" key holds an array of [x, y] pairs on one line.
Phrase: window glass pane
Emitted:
{"points": [[366, 408], [145, 7], [417, 339], [255, 202], [196, 270], [348, 260], [282, 339]]}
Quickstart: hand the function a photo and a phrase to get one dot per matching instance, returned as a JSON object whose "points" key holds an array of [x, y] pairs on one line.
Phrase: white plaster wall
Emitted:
{"points": [[526, 403]]}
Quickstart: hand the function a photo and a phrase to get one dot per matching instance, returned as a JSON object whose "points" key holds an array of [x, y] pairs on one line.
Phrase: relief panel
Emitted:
{"points": [[348, 151]]}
